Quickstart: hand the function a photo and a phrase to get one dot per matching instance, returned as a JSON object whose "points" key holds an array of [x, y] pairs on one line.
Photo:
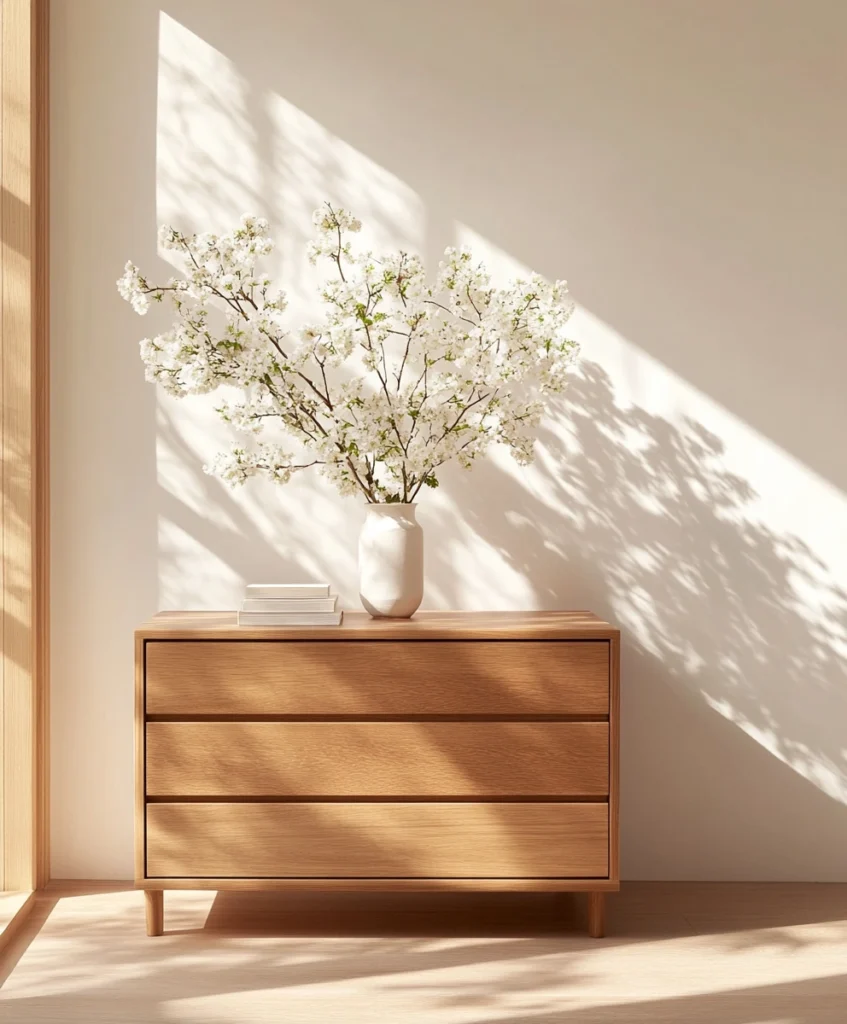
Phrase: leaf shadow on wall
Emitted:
{"points": [[214, 520], [642, 521]]}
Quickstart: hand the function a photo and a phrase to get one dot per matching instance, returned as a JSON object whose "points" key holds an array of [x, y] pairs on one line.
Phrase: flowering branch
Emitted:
{"points": [[397, 378]]}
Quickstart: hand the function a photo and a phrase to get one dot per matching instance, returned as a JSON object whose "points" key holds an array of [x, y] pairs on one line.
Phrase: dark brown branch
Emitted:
{"points": [[432, 302]]}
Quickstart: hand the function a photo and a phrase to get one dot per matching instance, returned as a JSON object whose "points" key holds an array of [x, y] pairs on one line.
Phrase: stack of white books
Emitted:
{"points": [[289, 604]]}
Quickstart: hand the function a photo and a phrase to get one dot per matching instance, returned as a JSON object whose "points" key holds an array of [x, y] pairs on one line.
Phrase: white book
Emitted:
{"points": [[289, 618], [300, 591], [283, 605]]}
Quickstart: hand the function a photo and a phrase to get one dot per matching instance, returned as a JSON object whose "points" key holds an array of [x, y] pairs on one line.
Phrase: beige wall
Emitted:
{"points": [[683, 165]]}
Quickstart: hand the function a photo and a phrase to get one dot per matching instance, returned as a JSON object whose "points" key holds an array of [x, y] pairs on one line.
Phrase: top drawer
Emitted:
{"points": [[374, 678]]}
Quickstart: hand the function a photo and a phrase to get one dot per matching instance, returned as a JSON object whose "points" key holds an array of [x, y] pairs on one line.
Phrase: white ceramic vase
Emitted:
{"points": [[391, 561]]}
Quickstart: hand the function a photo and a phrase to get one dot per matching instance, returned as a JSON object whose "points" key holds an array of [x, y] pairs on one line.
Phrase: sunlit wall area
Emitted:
{"points": [[680, 165]]}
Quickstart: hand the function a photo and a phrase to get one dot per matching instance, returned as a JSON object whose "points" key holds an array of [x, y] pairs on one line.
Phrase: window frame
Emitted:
{"points": [[24, 443]]}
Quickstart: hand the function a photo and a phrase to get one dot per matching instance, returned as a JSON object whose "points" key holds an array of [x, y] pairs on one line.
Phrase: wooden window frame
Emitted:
{"points": [[24, 437]]}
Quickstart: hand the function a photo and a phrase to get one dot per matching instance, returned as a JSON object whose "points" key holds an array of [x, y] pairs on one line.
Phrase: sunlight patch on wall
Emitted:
{"points": [[209, 167], [193, 569], [225, 148], [311, 166]]}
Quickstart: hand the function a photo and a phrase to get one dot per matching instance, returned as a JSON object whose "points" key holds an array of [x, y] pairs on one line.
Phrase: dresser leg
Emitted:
{"points": [[596, 915], [154, 902]]}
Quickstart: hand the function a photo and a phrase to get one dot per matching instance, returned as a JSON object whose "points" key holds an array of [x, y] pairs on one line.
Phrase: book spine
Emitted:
{"points": [[277, 591], [293, 619], [283, 605]]}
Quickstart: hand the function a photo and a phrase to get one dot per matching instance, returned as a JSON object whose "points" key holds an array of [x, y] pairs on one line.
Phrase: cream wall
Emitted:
{"points": [[683, 165]]}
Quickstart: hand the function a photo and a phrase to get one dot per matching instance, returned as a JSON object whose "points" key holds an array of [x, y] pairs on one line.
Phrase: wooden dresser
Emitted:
{"points": [[454, 750]]}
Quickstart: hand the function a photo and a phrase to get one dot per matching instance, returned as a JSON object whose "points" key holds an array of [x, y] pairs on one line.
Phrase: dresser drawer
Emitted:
{"points": [[377, 840], [377, 678], [389, 759]]}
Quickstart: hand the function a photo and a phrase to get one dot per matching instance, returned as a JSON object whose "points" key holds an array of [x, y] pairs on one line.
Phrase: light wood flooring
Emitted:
{"points": [[676, 952]]}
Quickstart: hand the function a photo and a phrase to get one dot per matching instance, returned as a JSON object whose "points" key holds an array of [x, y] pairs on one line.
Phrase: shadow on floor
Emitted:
{"points": [[469, 958]]}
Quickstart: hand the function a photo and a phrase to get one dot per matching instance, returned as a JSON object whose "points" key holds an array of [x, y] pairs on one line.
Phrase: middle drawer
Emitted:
{"points": [[377, 759]]}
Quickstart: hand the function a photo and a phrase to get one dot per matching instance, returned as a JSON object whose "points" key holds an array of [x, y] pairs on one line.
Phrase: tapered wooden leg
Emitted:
{"points": [[154, 901], [596, 915]]}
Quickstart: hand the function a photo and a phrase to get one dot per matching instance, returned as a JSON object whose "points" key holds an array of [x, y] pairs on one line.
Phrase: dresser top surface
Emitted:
{"points": [[356, 625]]}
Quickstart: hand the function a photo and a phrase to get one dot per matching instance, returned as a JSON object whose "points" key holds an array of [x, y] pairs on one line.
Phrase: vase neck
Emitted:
{"points": [[393, 510]]}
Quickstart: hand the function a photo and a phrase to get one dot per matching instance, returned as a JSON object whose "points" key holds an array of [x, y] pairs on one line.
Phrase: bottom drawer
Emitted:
{"points": [[374, 840]]}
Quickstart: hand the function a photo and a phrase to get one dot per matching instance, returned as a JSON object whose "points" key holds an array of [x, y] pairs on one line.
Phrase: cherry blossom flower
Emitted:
{"points": [[398, 376]]}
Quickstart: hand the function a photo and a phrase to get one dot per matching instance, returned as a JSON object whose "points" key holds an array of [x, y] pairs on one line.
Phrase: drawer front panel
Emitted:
{"points": [[372, 840], [373, 678], [389, 759]]}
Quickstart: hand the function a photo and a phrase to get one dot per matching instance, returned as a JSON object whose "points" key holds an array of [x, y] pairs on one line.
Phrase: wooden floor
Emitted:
{"points": [[681, 953]]}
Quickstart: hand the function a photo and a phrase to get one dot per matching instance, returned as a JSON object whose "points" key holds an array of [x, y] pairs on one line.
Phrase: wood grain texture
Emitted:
{"points": [[381, 884], [16, 427], [23, 438], [154, 907], [409, 756], [682, 953], [614, 756], [15, 908], [383, 759], [560, 625], [369, 678], [371, 840], [41, 428], [596, 915], [140, 782]]}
